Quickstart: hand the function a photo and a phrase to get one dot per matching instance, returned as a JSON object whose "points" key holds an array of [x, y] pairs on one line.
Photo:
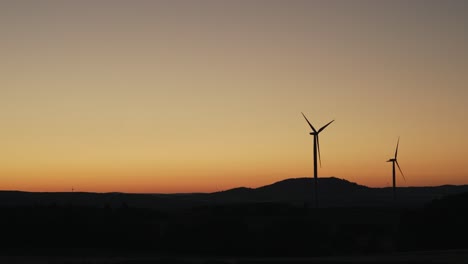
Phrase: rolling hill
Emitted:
{"points": [[333, 192]]}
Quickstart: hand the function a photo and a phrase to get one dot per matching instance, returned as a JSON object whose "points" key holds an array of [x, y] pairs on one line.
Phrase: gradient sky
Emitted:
{"points": [[197, 96]]}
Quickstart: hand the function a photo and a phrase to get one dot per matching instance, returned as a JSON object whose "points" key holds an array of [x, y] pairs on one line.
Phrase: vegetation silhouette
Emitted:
{"points": [[124, 224], [440, 225]]}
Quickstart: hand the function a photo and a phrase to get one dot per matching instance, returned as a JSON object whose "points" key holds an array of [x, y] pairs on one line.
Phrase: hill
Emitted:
{"points": [[333, 192], [296, 191]]}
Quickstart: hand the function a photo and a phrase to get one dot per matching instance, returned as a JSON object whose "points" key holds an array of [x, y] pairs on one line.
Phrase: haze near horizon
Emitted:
{"points": [[202, 96]]}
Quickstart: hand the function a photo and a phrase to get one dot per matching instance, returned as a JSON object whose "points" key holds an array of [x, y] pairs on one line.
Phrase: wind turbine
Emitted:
{"points": [[395, 161], [316, 133]]}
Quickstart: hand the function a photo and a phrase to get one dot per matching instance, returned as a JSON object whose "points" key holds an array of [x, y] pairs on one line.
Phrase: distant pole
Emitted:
{"points": [[315, 172], [394, 181]]}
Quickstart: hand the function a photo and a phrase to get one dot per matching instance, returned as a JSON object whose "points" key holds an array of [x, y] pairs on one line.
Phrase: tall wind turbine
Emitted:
{"points": [[395, 161], [316, 133]]}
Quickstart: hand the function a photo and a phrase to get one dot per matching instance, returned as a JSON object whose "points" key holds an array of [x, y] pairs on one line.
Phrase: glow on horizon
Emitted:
{"points": [[163, 97]]}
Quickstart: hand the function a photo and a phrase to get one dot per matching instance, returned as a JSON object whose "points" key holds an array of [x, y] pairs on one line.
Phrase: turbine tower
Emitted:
{"points": [[395, 161], [316, 133]]}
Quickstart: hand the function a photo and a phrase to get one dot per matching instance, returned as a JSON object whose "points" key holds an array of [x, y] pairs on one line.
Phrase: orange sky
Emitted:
{"points": [[197, 96]]}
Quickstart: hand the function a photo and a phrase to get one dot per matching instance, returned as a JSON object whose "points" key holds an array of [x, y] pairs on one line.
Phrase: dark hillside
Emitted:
{"points": [[333, 192]]}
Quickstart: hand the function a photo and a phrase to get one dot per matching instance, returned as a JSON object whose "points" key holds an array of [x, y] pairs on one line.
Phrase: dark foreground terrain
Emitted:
{"points": [[449, 257], [243, 232]]}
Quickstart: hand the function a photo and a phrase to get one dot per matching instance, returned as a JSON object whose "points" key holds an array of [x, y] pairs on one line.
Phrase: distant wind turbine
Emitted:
{"points": [[393, 161], [316, 133]]}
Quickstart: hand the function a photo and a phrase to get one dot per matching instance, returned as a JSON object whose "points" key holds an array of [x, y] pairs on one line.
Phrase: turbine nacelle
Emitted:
{"points": [[391, 160]]}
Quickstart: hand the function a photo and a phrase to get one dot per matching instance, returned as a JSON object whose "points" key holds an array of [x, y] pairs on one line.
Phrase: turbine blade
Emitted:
{"points": [[320, 130], [400, 170], [318, 150], [396, 151], [311, 126]]}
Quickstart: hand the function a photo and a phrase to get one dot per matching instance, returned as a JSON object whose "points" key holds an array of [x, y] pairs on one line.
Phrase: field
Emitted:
{"points": [[449, 257]]}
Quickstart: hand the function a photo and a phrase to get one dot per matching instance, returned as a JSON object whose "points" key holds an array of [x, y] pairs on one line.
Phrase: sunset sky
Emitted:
{"points": [[201, 96]]}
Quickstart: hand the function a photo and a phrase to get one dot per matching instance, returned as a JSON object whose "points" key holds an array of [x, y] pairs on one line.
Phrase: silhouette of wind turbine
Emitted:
{"points": [[393, 161], [316, 133]]}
